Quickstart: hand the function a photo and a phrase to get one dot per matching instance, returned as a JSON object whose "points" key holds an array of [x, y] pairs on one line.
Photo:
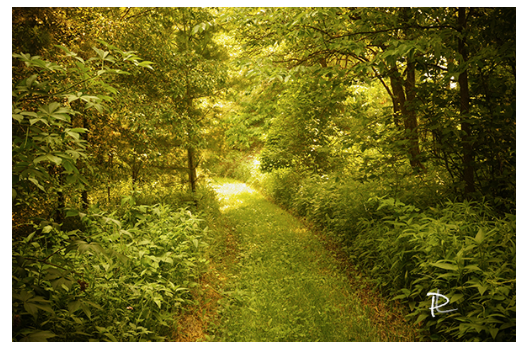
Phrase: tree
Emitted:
{"points": [[435, 64], [176, 97], [47, 149]]}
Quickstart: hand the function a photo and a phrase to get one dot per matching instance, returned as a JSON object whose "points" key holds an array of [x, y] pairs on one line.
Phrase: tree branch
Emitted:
{"points": [[381, 31]]}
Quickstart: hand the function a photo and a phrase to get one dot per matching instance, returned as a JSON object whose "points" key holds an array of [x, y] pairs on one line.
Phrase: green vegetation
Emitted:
{"points": [[288, 286], [124, 279], [462, 249], [389, 133]]}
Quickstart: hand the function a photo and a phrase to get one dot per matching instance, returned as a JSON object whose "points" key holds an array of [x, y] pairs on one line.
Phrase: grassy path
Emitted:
{"points": [[281, 283]]}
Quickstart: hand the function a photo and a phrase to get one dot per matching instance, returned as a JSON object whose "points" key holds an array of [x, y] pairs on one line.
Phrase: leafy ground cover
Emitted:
{"points": [[463, 249], [282, 283], [119, 277]]}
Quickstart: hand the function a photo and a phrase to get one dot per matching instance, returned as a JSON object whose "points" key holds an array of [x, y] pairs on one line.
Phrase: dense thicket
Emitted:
{"points": [[391, 128]]}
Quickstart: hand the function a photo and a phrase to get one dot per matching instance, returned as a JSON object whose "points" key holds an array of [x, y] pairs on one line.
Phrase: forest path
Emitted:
{"points": [[283, 284]]}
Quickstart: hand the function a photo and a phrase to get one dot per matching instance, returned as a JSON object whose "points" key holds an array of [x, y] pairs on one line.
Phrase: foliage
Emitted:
{"points": [[47, 148], [391, 128], [463, 249], [423, 169], [175, 105], [93, 275], [458, 248], [414, 54], [308, 128], [117, 279]]}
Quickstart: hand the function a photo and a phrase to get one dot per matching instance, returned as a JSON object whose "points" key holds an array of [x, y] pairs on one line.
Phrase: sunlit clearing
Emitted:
{"points": [[227, 193], [233, 189]]}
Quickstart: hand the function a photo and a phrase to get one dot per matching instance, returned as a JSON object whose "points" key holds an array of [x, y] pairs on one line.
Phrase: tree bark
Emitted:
{"points": [[403, 97], [467, 147], [409, 117], [61, 201], [192, 169], [84, 193], [397, 96]]}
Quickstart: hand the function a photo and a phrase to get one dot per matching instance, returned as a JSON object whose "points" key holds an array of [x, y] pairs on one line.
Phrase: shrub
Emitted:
{"points": [[463, 249], [122, 279]]}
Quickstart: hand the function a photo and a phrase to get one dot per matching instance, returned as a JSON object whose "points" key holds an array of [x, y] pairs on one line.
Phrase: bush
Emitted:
{"points": [[122, 279], [463, 249]]}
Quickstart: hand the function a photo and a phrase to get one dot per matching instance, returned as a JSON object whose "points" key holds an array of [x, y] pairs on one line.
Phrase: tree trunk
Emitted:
{"points": [[192, 169], [84, 193], [467, 147], [409, 116], [403, 98], [84, 198], [61, 201], [136, 167], [59, 213], [397, 96], [109, 168]]}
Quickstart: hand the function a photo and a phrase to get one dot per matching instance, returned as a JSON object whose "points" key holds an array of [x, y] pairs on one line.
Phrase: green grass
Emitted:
{"points": [[285, 285]]}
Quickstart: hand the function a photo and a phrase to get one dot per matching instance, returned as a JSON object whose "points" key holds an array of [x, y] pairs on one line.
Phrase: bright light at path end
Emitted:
{"points": [[233, 189]]}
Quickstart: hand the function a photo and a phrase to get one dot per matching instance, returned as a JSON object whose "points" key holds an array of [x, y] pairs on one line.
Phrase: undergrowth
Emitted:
{"points": [[411, 241], [120, 276]]}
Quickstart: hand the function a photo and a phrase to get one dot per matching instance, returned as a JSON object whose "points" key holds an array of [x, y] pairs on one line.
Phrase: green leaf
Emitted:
{"points": [[49, 157], [443, 265], [198, 28], [493, 332], [83, 246], [50, 108], [86, 310], [146, 64], [18, 117], [401, 296], [456, 297], [31, 308], [68, 166], [472, 268], [74, 306], [97, 306], [82, 68], [47, 229], [111, 337], [45, 307], [482, 289], [125, 232], [62, 117], [79, 130], [34, 181], [73, 134], [448, 275], [39, 336], [33, 121], [480, 236], [30, 80], [420, 318], [100, 53]]}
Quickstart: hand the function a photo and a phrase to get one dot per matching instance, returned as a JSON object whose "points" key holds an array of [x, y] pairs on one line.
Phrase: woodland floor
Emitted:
{"points": [[273, 279]]}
